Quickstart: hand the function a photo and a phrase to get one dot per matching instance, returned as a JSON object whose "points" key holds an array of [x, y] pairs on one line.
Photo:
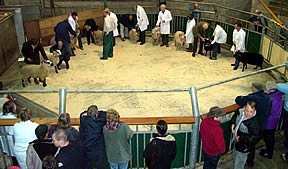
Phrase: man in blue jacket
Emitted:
{"points": [[263, 106]]}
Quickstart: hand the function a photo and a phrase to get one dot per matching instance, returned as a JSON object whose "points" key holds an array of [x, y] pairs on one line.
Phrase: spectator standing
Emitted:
{"points": [[259, 21], [62, 51], [64, 123], [39, 148], [142, 23], [69, 154], [189, 33], [161, 151], [263, 107], [212, 138], [196, 12], [283, 87], [115, 23], [164, 19], [199, 32], [220, 37], [92, 122], [90, 28], [273, 119], [109, 27], [247, 133], [24, 133], [117, 136], [127, 23]]}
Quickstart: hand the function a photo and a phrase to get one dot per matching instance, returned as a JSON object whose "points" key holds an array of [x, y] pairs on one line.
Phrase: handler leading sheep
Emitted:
{"points": [[63, 52]]}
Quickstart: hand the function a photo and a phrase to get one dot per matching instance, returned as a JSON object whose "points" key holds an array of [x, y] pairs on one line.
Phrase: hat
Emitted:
{"points": [[259, 86], [215, 112]]}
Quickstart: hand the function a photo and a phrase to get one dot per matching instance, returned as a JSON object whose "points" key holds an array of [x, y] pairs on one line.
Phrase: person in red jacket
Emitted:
{"points": [[212, 137]]}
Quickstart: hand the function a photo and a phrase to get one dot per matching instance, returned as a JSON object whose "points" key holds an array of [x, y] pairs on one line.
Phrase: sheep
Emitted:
{"points": [[208, 46], [179, 39], [133, 36], [54, 60], [156, 36], [35, 71], [248, 58], [98, 36]]}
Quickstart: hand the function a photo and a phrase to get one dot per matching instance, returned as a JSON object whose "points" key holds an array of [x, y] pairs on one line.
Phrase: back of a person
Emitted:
{"points": [[24, 132], [44, 148], [276, 108], [263, 107]]}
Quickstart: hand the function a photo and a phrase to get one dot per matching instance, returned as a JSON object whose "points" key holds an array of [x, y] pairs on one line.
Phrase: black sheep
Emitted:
{"points": [[248, 58], [208, 46]]}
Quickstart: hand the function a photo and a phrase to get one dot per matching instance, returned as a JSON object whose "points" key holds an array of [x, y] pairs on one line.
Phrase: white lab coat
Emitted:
{"points": [[9, 132], [240, 40], [115, 32], [72, 23], [220, 36], [163, 21], [142, 19], [24, 133], [189, 33]]}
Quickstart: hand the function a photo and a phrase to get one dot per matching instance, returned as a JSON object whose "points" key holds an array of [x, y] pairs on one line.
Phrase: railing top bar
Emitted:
{"points": [[129, 91], [28, 91], [241, 76]]}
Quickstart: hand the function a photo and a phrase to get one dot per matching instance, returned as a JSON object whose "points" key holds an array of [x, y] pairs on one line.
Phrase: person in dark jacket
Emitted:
{"points": [[127, 23], [39, 148], [212, 137], [199, 32], [92, 122], [70, 154], [62, 51], [247, 133], [161, 151], [30, 51], [263, 107], [259, 20], [64, 123], [90, 27], [62, 30]]}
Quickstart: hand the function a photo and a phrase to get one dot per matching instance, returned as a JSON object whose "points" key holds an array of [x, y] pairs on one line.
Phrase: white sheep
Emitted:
{"points": [[133, 36], [54, 60], [156, 36], [179, 39], [98, 36], [35, 71]]}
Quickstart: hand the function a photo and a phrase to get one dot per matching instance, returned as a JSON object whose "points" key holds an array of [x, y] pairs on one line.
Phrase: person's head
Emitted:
{"points": [[92, 111], [64, 121], [35, 41], [9, 107], [74, 15], [215, 113], [257, 87], [205, 25], [49, 162], [189, 16], [196, 6], [130, 17], [25, 114], [41, 131], [106, 12], [162, 7], [60, 138], [162, 127], [238, 26], [112, 115], [60, 44], [270, 87], [249, 109]]}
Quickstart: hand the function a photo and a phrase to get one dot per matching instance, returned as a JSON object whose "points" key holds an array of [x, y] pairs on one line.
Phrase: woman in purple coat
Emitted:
{"points": [[273, 119]]}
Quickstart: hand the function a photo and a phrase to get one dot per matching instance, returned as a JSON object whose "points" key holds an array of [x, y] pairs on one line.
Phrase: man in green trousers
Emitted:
{"points": [[109, 26]]}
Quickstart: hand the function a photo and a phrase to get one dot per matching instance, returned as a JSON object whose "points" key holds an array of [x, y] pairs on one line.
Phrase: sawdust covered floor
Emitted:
{"points": [[142, 67]]}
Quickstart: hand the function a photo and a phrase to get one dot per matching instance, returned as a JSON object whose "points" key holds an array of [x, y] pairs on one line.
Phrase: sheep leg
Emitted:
{"points": [[36, 81], [255, 67], [243, 67], [28, 79], [56, 70], [246, 66], [23, 85], [44, 83]]}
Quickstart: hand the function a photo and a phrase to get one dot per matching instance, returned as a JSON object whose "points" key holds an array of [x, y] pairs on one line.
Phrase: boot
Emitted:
{"points": [[189, 49]]}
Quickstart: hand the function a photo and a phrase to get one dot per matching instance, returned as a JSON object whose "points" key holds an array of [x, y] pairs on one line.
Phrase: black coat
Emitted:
{"points": [[124, 20], [33, 54], [65, 53], [44, 147], [247, 141], [92, 24], [160, 152], [263, 105], [62, 31]]}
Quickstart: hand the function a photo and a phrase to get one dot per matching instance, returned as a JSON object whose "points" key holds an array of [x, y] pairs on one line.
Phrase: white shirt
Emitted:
{"points": [[108, 24], [233, 36], [8, 129], [115, 19], [142, 19], [240, 40], [163, 21], [189, 33], [72, 23], [220, 36]]}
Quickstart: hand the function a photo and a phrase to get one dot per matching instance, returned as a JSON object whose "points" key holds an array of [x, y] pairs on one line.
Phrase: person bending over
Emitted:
{"points": [[62, 51]]}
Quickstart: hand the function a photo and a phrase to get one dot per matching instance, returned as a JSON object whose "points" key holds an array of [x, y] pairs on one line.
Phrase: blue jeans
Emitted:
{"points": [[118, 165], [210, 162]]}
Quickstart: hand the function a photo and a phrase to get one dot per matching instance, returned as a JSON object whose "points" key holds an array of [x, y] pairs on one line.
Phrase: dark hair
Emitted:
{"points": [[252, 104], [25, 114], [92, 111], [35, 41], [161, 127], [239, 24], [64, 121], [41, 131], [49, 162], [9, 107], [74, 14], [59, 40]]}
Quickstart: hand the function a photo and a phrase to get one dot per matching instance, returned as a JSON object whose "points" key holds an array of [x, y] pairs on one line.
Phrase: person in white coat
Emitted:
{"points": [[24, 133], [189, 33], [240, 36], [142, 23], [115, 31], [164, 19], [220, 37], [72, 20]]}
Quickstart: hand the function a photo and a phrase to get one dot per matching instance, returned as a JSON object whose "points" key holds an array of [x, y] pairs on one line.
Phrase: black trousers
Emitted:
{"points": [[80, 40], [210, 162], [66, 60], [216, 49], [89, 36], [269, 139], [114, 41], [165, 39], [142, 36], [195, 46]]}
